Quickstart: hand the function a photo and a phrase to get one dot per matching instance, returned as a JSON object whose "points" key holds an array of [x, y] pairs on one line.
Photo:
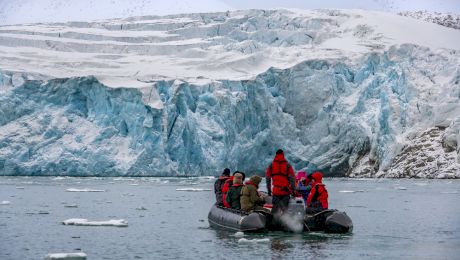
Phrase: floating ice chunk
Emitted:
{"points": [[421, 183], [58, 178], [83, 190], [239, 234], [66, 256], [141, 208], [192, 189], [449, 192], [71, 206], [134, 184], [401, 188], [5, 202], [85, 222], [124, 179], [349, 191], [251, 241]]}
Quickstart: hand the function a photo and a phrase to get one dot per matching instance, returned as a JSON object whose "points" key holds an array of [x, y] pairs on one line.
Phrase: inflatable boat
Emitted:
{"points": [[329, 220], [235, 220]]}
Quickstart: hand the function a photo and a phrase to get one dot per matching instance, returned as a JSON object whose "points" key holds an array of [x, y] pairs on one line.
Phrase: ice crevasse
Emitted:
{"points": [[326, 114], [392, 112]]}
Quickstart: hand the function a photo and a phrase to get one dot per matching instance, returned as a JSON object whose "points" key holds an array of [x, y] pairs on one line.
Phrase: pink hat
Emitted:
{"points": [[300, 175]]}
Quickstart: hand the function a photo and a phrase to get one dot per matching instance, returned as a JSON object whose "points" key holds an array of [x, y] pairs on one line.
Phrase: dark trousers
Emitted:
{"points": [[280, 204]]}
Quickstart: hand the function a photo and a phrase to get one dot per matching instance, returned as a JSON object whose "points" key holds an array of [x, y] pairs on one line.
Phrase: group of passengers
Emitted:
{"points": [[282, 183]]}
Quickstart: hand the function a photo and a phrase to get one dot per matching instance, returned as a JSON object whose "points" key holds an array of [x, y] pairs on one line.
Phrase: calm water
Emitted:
{"points": [[404, 219]]}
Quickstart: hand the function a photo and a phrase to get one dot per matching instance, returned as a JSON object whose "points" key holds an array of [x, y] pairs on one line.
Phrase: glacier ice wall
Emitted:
{"points": [[327, 114]]}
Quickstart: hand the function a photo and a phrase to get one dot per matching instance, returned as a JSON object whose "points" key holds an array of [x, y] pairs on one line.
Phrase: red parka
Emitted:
{"points": [[228, 183], [280, 177], [318, 196]]}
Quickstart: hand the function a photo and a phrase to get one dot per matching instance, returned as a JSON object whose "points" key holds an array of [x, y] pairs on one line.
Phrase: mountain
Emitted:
{"points": [[350, 92]]}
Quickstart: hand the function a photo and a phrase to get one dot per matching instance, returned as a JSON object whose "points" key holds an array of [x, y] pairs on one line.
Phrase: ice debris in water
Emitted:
{"points": [[83, 190], [401, 188], [71, 206], [192, 189], [350, 191], [239, 234], [255, 240], [66, 256], [5, 202], [85, 222]]}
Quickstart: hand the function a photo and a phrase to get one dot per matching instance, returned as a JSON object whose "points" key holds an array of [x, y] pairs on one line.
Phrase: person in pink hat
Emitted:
{"points": [[303, 185]]}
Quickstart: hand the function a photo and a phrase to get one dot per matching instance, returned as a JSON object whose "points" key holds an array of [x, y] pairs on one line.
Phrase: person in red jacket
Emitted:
{"points": [[219, 184], [280, 175], [228, 183], [318, 195]]}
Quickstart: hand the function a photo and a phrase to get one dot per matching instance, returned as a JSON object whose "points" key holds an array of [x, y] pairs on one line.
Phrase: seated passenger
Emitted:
{"points": [[303, 185], [234, 193], [250, 198], [318, 197], [228, 183], [218, 185]]}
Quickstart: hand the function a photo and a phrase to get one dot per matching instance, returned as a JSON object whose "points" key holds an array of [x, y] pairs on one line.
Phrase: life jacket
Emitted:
{"points": [[318, 197], [218, 185], [279, 172], [228, 183]]}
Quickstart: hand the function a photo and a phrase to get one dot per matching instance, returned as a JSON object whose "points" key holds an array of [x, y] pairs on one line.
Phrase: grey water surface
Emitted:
{"points": [[402, 219]]}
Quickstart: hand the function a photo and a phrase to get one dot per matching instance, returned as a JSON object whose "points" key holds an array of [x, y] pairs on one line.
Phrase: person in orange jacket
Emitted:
{"points": [[280, 175], [318, 197]]}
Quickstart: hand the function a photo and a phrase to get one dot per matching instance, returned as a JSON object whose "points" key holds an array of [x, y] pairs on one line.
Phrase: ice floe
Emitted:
{"points": [[239, 234], [5, 202], [84, 190], [66, 256], [192, 189], [255, 240], [71, 206], [350, 191], [85, 222]]}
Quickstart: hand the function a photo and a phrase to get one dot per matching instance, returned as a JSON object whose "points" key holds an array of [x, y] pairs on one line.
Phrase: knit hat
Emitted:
{"points": [[226, 172], [255, 179]]}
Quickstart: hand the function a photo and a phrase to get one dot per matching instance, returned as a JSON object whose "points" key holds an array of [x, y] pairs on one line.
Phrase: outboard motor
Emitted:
{"points": [[292, 219], [338, 222]]}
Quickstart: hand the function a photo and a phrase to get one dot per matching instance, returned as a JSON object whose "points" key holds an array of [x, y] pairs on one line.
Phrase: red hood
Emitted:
{"points": [[279, 158], [317, 177]]}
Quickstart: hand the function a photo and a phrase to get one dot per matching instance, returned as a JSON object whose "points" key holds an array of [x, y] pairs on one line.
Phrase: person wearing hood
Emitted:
{"points": [[226, 187], [303, 185], [318, 197], [280, 174], [234, 193], [250, 198], [219, 184]]}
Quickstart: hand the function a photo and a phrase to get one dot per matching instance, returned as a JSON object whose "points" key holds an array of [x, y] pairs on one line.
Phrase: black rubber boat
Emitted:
{"points": [[329, 220], [235, 220]]}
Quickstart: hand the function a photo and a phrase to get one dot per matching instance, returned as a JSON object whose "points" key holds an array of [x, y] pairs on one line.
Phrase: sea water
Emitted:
{"points": [[167, 218]]}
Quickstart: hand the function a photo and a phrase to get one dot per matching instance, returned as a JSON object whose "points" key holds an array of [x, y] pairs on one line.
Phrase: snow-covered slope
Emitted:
{"points": [[342, 91], [444, 19]]}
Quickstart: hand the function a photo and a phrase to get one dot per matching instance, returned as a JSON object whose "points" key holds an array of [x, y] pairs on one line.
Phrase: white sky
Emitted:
{"points": [[31, 11]]}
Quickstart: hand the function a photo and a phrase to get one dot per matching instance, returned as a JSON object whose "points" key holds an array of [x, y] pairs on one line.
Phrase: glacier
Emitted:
{"points": [[345, 112]]}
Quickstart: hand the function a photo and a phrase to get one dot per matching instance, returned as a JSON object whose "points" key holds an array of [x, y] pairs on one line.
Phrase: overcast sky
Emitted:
{"points": [[32, 11]]}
